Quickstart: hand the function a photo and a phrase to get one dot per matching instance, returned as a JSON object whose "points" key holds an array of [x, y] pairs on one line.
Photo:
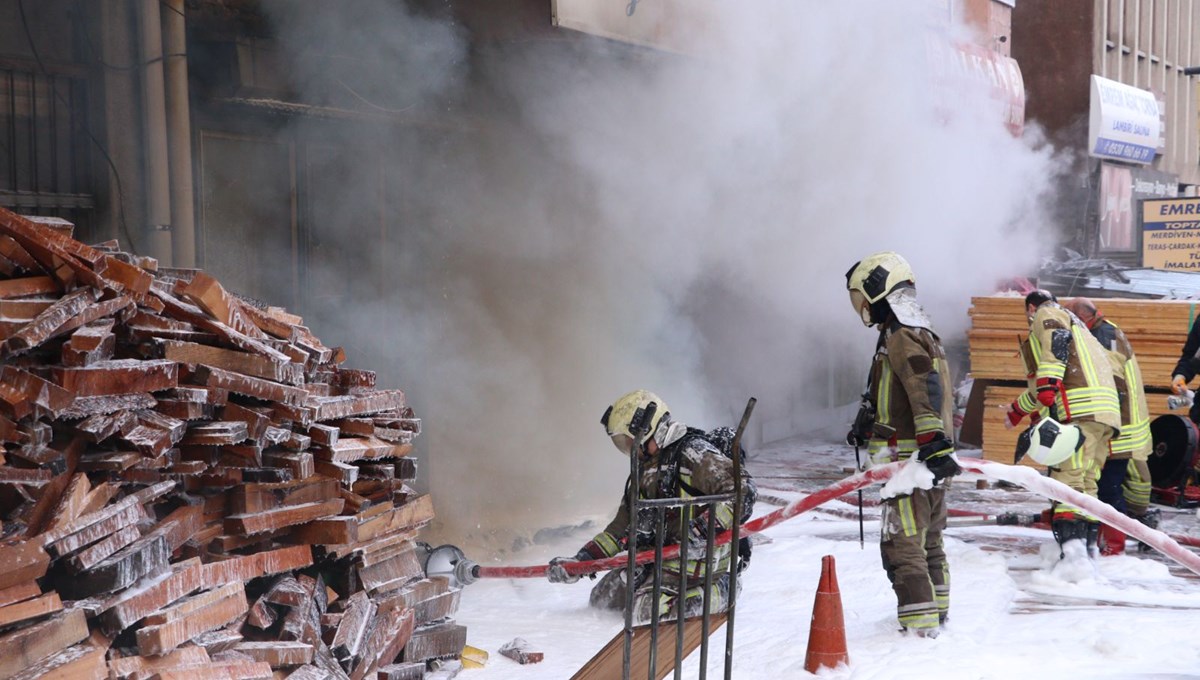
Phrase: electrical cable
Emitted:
{"points": [[86, 128]]}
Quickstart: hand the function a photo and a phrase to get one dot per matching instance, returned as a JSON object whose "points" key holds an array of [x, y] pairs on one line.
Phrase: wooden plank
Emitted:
{"points": [[121, 376], [277, 654], [333, 408], [267, 520], [82, 407], [207, 293], [258, 388], [402, 671], [246, 567], [608, 661], [348, 450], [30, 609], [19, 592], [146, 556], [163, 638], [301, 463], [102, 549], [24, 647], [519, 650], [150, 595], [258, 497], [392, 573], [27, 286], [22, 562], [446, 641], [146, 666], [80, 662], [257, 365], [70, 503], [24, 393], [41, 327], [192, 604], [351, 633], [390, 635]]}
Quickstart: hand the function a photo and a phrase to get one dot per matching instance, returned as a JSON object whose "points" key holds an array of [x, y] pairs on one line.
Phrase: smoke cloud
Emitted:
{"points": [[608, 219]]}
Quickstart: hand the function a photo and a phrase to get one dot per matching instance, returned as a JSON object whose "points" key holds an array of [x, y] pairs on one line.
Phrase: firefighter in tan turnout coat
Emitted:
{"points": [[910, 391], [1125, 479], [677, 462], [1074, 382]]}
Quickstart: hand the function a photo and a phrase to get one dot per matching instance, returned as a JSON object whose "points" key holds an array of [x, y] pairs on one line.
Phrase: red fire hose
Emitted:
{"points": [[1027, 477], [872, 476]]}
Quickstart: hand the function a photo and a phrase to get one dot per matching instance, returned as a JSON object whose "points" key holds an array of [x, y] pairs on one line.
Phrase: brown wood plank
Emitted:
{"points": [[40, 328], [267, 520], [333, 408], [121, 376], [236, 361], [30, 609], [443, 641], [80, 662], [19, 592], [246, 567], [27, 286], [26, 646], [258, 388], [150, 595], [258, 497], [146, 666], [607, 663], [102, 549], [277, 654], [24, 393], [163, 638], [22, 562]]}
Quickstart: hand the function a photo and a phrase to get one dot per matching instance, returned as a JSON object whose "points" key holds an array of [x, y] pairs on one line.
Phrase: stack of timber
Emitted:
{"points": [[193, 486], [1157, 329]]}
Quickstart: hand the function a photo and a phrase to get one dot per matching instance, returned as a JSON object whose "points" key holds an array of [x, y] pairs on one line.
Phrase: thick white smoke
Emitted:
{"points": [[681, 224]]}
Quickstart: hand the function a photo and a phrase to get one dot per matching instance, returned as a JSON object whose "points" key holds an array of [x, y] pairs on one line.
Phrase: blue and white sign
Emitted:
{"points": [[1124, 124]]}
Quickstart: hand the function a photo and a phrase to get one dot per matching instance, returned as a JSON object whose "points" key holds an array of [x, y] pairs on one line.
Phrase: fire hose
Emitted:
{"points": [[449, 560]]}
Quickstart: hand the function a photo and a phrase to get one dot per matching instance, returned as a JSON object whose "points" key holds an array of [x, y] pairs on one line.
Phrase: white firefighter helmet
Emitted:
{"points": [[618, 418], [1049, 442], [873, 278]]}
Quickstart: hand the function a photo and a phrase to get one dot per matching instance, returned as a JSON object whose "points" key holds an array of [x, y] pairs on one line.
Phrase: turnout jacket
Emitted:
{"points": [[688, 467], [1064, 349], [909, 386], [1134, 440], [1189, 359]]}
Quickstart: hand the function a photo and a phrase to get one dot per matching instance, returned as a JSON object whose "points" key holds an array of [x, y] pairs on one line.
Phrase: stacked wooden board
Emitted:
{"points": [[1157, 329], [193, 486]]}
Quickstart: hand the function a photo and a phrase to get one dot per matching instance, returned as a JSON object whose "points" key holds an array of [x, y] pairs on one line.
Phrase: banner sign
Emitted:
{"points": [[1124, 123], [1171, 234]]}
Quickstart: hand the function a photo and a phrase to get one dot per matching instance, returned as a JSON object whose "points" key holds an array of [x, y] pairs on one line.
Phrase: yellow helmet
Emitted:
{"points": [[618, 418], [870, 280]]}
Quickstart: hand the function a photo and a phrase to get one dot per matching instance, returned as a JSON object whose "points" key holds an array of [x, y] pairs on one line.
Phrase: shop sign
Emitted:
{"points": [[1124, 123], [1171, 234]]}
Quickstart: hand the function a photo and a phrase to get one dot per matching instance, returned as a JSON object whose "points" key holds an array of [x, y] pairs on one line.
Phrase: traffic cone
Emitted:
{"points": [[827, 633]]}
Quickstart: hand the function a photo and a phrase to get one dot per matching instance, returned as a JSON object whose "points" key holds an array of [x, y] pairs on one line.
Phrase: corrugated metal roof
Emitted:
{"points": [[1101, 279]]}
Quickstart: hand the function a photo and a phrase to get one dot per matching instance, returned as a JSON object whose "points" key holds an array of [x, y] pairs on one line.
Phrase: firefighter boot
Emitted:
{"points": [[1093, 536], [1067, 530], [1112, 541]]}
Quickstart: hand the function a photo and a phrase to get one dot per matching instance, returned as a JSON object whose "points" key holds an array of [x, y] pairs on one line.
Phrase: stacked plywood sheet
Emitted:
{"points": [[1156, 328], [192, 485]]}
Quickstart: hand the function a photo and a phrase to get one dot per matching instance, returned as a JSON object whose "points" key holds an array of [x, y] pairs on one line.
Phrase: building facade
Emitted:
{"points": [[1078, 57]]}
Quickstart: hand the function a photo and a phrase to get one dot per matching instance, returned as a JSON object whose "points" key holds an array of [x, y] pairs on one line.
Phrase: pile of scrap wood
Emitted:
{"points": [[192, 486], [1157, 330]]}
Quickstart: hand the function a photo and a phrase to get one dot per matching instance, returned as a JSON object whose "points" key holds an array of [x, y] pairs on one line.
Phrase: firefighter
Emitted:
{"points": [[676, 462], [1074, 381], [1125, 479], [910, 391]]}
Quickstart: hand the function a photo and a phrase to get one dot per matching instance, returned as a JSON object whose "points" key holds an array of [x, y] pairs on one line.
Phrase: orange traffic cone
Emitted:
{"points": [[827, 634]]}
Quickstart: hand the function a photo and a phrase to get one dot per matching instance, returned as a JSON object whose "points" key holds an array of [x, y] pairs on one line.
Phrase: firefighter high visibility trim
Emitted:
{"points": [[883, 405], [927, 423], [1136, 489], [908, 521], [1133, 438], [607, 543], [941, 593], [1028, 403], [919, 615], [1052, 369]]}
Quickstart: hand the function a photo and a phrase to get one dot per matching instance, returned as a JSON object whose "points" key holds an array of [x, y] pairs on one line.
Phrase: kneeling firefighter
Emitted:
{"points": [[910, 390], [677, 462]]}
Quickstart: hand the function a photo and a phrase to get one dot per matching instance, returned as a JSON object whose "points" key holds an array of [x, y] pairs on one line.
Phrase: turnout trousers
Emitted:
{"points": [[1081, 471], [914, 557]]}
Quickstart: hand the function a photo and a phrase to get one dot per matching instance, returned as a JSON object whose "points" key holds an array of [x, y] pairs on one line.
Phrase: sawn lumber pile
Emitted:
{"points": [[193, 486], [1157, 329]]}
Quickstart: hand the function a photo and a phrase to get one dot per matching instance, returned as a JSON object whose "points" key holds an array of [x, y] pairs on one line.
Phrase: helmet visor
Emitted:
{"points": [[861, 305], [623, 442]]}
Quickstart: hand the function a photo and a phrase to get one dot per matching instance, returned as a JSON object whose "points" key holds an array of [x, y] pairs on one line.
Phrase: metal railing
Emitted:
{"points": [[683, 510]]}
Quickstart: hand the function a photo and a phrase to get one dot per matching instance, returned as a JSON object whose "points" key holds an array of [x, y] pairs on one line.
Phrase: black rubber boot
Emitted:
{"points": [[1068, 529], [1093, 534]]}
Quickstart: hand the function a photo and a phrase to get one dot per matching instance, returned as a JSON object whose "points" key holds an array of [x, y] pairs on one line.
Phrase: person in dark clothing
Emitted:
{"points": [[1187, 367]]}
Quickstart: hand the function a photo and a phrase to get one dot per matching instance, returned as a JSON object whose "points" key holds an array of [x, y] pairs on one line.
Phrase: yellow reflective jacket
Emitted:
{"points": [[1134, 441], [1064, 349]]}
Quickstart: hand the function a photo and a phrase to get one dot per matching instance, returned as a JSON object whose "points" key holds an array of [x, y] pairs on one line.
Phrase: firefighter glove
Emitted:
{"points": [[936, 454], [1047, 390], [853, 438], [557, 574], [1179, 385], [1014, 415]]}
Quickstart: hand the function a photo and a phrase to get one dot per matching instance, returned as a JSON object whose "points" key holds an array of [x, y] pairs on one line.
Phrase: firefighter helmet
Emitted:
{"points": [[1049, 442], [872, 279], [629, 413]]}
